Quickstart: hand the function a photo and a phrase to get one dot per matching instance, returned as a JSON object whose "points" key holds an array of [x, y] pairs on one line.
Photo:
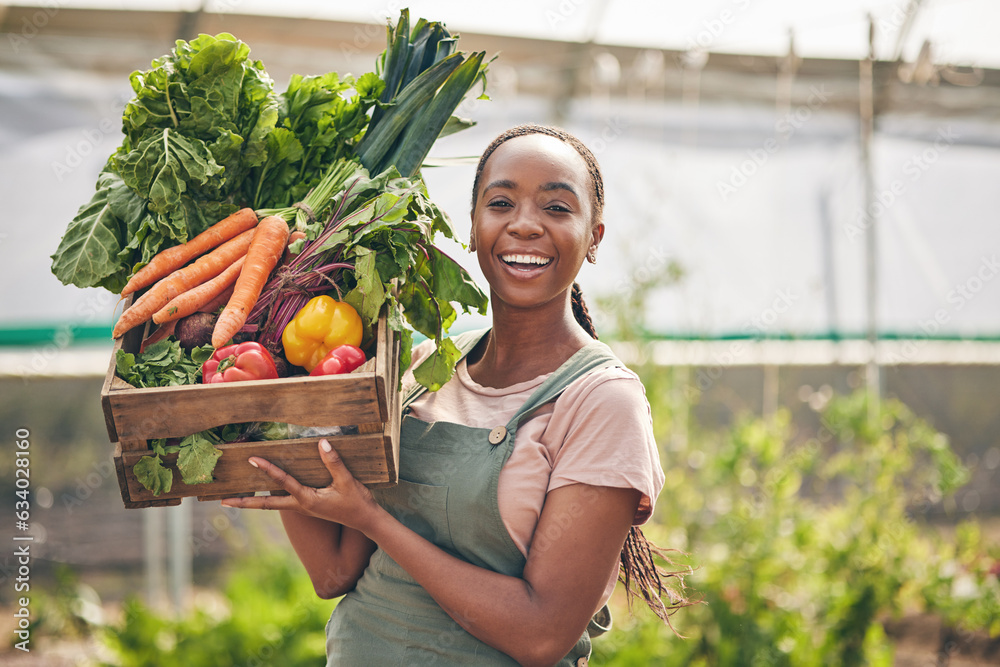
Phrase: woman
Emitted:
{"points": [[489, 552]]}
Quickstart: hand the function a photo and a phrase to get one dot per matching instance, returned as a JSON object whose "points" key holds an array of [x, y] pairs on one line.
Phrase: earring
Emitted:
{"points": [[592, 255]]}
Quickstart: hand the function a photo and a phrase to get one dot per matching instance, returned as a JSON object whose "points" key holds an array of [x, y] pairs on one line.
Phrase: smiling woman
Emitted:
{"points": [[522, 481]]}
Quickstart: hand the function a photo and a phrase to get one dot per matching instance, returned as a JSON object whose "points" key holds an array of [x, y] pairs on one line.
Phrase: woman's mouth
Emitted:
{"points": [[525, 262]]}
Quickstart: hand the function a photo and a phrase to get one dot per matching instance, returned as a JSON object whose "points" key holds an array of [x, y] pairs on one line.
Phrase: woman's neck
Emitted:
{"points": [[524, 344]]}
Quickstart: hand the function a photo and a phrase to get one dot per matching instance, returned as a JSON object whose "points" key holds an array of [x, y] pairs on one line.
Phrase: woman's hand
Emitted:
{"points": [[345, 501]]}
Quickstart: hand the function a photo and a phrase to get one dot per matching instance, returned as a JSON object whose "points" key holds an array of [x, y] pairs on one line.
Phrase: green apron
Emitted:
{"points": [[447, 493]]}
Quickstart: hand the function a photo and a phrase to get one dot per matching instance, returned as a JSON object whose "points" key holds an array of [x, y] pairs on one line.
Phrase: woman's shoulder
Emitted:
{"points": [[607, 386]]}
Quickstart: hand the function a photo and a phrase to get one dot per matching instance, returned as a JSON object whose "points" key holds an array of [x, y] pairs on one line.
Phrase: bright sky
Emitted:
{"points": [[963, 32]]}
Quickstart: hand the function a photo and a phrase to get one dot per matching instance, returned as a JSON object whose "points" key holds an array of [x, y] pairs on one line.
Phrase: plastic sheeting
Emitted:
{"points": [[762, 210]]}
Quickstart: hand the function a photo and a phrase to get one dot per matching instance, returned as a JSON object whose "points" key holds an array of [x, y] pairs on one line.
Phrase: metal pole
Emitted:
{"points": [[179, 536], [153, 555], [866, 94]]}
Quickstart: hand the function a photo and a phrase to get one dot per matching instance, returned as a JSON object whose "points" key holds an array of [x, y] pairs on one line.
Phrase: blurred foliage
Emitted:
{"points": [[270, 616], [802, 550], [802, 544]]}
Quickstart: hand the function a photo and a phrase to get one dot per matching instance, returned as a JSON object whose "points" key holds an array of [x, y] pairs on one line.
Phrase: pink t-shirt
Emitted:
{"points": [[597, 432]]}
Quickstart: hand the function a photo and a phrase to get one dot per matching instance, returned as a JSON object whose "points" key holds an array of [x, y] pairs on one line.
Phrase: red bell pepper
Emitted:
{"points": [[341, 359], [243, 361]]}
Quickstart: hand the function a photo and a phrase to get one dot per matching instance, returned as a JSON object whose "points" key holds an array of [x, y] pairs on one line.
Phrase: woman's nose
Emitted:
{"points": [[525, 224]]}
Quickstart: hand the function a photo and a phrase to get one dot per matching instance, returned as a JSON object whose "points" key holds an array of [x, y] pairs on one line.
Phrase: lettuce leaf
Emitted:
{"points": [[198, 123]]}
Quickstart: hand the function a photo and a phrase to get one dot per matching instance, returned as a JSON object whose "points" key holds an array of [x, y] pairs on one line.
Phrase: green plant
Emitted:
{"points": [[271, 616], [802, 545]]}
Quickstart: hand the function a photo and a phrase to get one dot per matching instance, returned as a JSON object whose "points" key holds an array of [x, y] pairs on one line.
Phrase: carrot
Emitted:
{"points": [[188, 302], [266, 249], [177, 256], [218, 302], [204, 268]]}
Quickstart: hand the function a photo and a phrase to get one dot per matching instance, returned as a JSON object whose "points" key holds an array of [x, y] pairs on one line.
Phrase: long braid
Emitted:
{"points": [[638, 570], [580, 311]]}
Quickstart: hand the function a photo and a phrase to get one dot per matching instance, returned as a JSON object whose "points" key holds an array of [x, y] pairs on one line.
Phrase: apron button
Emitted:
{"points": [[497, 435], [582, 662]]}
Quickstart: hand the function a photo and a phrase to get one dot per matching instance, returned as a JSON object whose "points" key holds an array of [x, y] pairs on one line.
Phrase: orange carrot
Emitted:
{"points": [[188, 302], [218, 302], [269, 241], [204, 268], [177, 256]]}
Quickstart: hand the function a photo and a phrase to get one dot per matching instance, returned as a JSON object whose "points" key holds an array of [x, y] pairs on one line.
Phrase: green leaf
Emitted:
{"points": [[378, 141], [163, 364], [452, 283], [197, 123], [420, 309], [369, 294], [438, 368], [88, 251], [416, 141], [124, 361], [405, 351], [151, 474], [457, 124], [197, 459], [164, 165]]}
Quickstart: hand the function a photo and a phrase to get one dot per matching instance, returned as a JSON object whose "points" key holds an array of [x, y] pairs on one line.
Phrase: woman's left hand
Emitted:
{"points": [[345, 501]]}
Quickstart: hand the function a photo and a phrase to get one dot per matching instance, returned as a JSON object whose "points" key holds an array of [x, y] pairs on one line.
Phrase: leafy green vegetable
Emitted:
{"points": [[379, 254], [163, 364], [88, 253], [198, 123], [196, 459], [205, 134], [151, 474]]}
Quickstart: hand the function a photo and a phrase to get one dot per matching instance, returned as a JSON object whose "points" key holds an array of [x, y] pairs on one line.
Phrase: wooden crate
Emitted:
{"points": [[368, 399]]}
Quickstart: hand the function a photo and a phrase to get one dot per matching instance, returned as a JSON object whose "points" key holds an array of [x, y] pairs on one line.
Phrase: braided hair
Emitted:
{"points": [[638, 571]]}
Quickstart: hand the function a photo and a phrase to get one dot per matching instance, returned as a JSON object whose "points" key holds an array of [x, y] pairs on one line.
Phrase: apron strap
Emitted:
{"points": [[592, 356], [465, 342]]}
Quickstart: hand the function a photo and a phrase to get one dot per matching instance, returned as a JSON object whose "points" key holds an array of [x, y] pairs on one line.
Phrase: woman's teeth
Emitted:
{"points": [[525, 259]]}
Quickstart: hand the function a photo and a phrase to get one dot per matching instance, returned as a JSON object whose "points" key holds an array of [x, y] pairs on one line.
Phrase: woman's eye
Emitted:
{"points": [[559, 208], [498, 203]]}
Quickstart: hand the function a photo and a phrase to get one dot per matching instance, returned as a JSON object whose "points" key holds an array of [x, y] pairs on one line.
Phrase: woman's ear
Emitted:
{"points": [[597, 234], [472, 233]]}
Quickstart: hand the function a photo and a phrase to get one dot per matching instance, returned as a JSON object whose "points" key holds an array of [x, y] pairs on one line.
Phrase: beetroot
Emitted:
{"points": [[195, 330]]}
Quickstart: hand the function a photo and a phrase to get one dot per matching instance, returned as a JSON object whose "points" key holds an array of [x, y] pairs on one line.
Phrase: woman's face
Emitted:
{"points": [[531, 227]]}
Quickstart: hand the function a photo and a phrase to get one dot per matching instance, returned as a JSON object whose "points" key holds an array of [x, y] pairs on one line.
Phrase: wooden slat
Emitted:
{"points": [[167, 412], [364, 456], [126, 497]]}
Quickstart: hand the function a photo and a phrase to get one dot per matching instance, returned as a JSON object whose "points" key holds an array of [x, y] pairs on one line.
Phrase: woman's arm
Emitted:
{"points": [[535, 618], [334, 556]]}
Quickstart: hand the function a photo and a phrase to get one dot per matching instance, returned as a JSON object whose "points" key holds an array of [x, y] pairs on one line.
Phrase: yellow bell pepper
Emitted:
{"points": [[321, 325]]}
